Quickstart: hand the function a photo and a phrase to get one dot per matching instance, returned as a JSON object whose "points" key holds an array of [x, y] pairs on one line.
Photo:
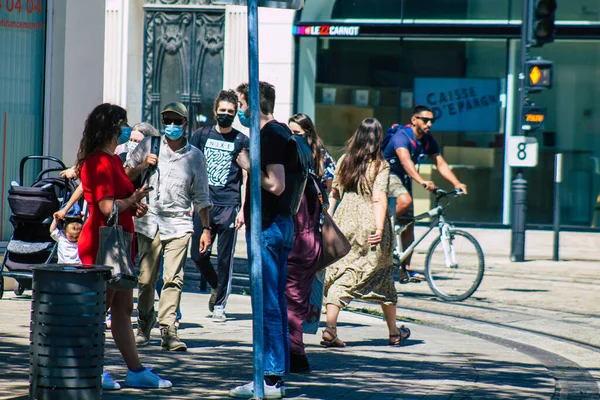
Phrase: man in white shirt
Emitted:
{"points": [[179, 181]]}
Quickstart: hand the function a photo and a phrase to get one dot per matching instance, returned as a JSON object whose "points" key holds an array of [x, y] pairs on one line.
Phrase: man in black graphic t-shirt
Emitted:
{"points": [[221, 145]]}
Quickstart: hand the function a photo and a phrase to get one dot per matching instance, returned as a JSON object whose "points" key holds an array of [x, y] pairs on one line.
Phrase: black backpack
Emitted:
{"points": [[301, 162], [142, 179]]}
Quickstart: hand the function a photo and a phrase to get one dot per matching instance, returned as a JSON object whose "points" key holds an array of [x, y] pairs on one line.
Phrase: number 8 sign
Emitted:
{"points": [[522, 151]]}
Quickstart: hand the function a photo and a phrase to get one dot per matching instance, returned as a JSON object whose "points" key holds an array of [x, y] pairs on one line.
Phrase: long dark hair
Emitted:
{"points": [[363, 148], [313, 140], [101, 126]]}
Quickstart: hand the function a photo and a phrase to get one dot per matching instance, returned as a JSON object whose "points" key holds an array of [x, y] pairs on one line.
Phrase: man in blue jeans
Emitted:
{"points": [[277, 159]]}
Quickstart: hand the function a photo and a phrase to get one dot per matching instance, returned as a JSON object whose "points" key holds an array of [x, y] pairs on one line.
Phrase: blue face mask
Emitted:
{"points": [[173, 131], [244, 120], [125, 135]]}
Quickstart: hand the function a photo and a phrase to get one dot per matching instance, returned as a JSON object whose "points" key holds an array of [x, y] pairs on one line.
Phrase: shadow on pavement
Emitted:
{"points": [[211, 367]]}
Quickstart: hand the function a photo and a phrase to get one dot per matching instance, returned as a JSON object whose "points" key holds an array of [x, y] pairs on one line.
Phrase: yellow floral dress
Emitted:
{"points": [[362, 273]]}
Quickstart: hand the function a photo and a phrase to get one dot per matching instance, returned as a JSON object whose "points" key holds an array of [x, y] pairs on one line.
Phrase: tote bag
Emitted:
{"points": [[335, 244], [115, 252]]}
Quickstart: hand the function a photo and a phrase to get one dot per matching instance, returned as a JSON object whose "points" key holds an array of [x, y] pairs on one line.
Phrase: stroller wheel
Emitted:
{"points": [[19, 289]]}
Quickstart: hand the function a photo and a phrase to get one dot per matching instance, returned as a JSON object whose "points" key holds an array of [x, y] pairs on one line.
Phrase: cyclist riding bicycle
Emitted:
{"points": [[403, 147]]}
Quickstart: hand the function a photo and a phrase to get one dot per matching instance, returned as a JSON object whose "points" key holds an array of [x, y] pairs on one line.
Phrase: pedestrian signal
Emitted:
{"points": [[533, 118], [539, 75]]}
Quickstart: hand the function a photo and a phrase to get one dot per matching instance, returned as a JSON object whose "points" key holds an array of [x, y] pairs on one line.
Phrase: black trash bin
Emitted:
{"points": [[67, 332]]}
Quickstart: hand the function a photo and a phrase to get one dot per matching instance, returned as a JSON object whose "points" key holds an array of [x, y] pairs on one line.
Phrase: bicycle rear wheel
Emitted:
{"points": [[456, 274]]}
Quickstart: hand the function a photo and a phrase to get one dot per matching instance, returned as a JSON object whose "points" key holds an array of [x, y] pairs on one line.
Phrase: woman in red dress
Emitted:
{"points": [[105, 182]]}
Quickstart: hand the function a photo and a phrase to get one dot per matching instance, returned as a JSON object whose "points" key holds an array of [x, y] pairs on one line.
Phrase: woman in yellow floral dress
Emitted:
{"points": [[360, 193]]}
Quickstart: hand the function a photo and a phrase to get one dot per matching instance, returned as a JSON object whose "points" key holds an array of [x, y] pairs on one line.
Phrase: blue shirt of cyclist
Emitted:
{"points": [[403, 136]]}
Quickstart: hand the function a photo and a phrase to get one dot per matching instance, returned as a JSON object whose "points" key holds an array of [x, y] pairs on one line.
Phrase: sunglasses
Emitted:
{"points": [[426, 120], [174, 121]]}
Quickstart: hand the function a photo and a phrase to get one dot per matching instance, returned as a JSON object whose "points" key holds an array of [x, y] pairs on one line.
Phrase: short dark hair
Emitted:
{"points": [[226, 95], [72, 220], [419, 109], [267, 96]]}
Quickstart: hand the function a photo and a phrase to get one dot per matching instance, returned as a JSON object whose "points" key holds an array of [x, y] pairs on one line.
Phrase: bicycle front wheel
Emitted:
{"points": [[454, 269]]}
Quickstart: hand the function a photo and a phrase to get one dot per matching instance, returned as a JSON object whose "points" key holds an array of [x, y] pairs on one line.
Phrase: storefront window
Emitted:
{"points": [[573, 10], [429, 9], [572, 128], [357, 79], [23, 32]]}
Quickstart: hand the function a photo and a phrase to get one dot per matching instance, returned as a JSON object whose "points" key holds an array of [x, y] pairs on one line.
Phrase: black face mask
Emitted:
{"points": [[225, 120]]}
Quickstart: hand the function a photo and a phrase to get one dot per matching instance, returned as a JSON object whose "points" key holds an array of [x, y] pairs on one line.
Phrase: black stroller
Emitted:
{"points": [[32, 210]]}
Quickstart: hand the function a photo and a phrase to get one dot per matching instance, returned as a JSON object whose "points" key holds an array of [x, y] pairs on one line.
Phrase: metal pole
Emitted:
{"points": [[557, 181], [519, 189], [48, 77], [255, 202]]}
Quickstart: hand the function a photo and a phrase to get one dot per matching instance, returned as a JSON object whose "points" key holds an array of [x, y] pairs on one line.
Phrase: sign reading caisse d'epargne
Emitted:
{"points": [[460, 104]]}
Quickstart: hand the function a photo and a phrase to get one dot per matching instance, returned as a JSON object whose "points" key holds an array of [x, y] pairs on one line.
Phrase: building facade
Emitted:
{"points": [[51, 77], [63, 57], [337, 61], [366, 58], [160, 51]]}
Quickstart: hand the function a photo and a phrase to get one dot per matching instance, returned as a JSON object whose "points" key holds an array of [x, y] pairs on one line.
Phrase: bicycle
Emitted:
{"points": [[459, 271]]}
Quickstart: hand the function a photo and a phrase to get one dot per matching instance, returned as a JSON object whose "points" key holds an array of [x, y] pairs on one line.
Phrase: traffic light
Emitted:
{"points": [[539, 75], [541, 22]]}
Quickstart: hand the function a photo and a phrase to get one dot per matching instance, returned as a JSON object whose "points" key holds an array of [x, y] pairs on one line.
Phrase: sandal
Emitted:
{"points": [[407, 276], [335, 341], [402, 335]]}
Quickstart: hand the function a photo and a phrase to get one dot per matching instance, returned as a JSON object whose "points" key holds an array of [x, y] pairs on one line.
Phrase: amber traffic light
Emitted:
{"points": [[539, 75]]}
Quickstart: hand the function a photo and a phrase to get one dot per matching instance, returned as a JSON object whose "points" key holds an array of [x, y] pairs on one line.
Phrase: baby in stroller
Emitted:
{"points": [[65, 231]]}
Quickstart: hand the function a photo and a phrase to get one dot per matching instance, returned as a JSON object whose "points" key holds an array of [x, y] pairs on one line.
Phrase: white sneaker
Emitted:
{"points": [[146, 379], [108, 383], [246, 391], [219, 314]]}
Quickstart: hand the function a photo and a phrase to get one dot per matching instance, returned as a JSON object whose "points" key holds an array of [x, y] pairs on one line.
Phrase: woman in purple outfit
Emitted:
{"points": [[305, 257]]}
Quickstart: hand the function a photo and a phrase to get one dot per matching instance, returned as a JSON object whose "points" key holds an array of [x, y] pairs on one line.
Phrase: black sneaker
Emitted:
{"points": [[299, 363], [212, 300]]}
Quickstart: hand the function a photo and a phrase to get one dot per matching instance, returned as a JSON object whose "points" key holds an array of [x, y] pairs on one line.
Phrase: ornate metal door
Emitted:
{"points": [[183, 58]]}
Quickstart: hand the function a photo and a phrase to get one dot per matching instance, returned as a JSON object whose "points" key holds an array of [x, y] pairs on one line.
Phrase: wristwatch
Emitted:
{"points": [[206, 228]]}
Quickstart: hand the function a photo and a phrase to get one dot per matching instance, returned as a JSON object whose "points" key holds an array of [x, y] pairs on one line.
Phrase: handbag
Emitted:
{"points": [[115, 252], [335, 244]]}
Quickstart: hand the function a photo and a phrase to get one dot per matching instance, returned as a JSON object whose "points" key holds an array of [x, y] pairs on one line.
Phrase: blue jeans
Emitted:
{"points": [[278, 239]]}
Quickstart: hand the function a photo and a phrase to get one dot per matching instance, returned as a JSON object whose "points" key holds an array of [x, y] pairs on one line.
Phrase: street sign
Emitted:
{"points": [[291, 4], [522, 151], [539, 75], [533, 118]]}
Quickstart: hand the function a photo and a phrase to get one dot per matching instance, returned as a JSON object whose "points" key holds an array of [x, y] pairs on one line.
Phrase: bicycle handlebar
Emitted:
{"points": [[440, 193]]}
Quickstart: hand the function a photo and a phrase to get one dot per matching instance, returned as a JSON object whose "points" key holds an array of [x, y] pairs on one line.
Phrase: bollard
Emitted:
{"points": [[519, 211], [67, 332], [557, 183]]}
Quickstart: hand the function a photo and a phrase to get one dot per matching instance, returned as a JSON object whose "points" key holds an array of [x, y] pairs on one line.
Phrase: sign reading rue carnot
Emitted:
{"points": [[460, 104]]}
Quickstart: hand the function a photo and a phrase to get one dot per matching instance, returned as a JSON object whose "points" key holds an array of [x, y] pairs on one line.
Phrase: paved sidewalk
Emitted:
{"points": [[433, 363], [529, 332]]}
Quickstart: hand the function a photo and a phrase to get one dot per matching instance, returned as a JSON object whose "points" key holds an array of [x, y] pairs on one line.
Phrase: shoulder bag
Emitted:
{"points": [[115, 251], [335, 244]]}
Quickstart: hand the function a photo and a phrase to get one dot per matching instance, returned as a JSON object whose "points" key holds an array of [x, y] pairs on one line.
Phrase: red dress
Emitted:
{"points": [[102, 175]]}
